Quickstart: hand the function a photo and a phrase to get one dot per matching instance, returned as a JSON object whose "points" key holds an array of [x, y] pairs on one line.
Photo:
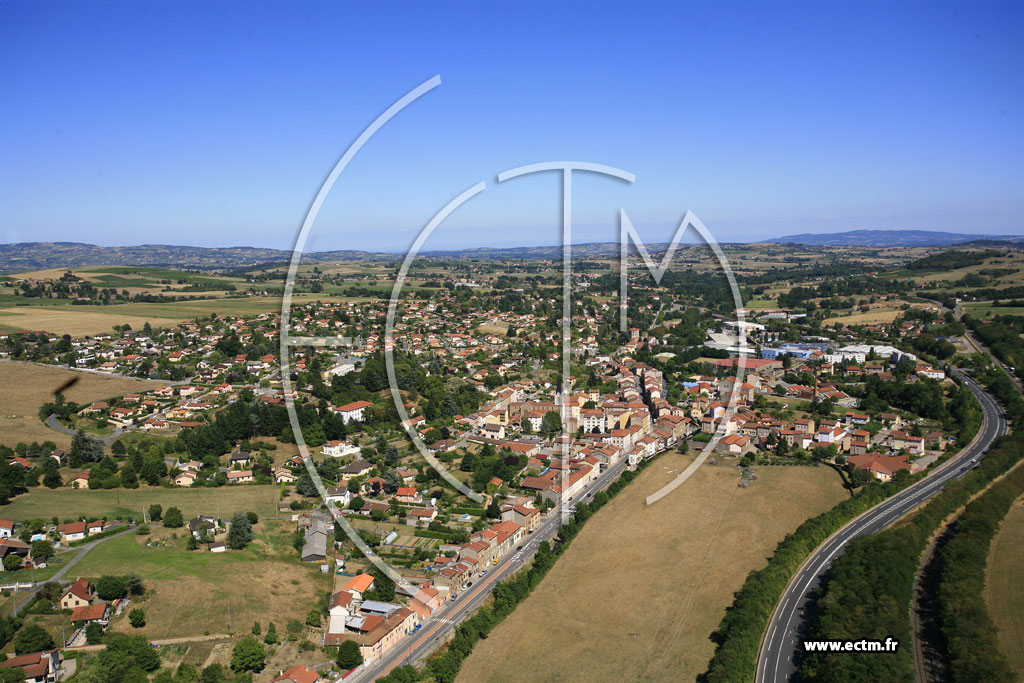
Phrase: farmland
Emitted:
{"points": [[88, 320], [672, 569], [44, 503], [25, 386], [1002, 591], [190, 592]]}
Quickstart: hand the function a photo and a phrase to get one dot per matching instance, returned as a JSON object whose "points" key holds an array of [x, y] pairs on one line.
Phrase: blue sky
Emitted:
{"points": [[214, 124]]}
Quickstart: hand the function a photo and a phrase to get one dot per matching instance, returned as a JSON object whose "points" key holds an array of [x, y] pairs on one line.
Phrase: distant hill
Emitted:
{"points": [[43, 255], [891, 238]]}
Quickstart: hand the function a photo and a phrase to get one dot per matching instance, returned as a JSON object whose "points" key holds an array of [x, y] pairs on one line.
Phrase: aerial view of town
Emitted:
{"points": [[282, 400]]}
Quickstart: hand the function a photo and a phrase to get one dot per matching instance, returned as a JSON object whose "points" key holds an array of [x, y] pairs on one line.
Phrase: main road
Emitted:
{"points": [[782, 643], [441, 623]]}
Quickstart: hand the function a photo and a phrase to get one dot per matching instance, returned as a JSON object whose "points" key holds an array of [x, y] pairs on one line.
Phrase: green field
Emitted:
{"points": [[64, 503], [987, 310]]}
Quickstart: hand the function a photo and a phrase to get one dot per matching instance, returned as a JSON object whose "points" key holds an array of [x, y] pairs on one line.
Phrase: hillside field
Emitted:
{"points": [[640, 590], [25, 386]]}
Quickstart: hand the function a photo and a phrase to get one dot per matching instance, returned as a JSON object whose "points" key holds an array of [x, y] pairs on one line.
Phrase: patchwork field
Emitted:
{"points": [[639, 592], [190, 592], [65, 503], [24, 387], [1003, 596]]}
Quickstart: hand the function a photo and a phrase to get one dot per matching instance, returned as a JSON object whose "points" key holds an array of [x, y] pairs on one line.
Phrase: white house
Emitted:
{"points": [[353, 411]]}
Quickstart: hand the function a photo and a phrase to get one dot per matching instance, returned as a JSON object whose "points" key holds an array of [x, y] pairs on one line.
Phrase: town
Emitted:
{"points": [[481, 385]]}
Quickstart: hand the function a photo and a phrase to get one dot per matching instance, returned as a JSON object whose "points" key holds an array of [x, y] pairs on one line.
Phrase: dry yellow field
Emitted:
{"points": [[640, 590], [1003, 595], [24, 387], [74, 320]]}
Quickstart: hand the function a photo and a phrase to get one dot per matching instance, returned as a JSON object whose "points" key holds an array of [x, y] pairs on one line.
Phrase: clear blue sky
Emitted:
{"points": [[213, 124]]}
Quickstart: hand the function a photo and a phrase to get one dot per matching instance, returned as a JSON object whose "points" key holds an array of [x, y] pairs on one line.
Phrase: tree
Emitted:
{"points": [[240, 532], [349, 655], [271, 636], [137, 618], [32, 638], [256, 628], [248, 655], [51, 479], [551, 423], [12, 562], [313, 618], [156, 511], [173, 519], [306, 486], [111, 587], [42, 550], [93, 633], [253, 518], [213, 674], [12, 675]]}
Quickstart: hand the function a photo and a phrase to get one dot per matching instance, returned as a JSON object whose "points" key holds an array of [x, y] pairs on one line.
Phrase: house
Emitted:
{"points": [[77, 595], [80, 480], [38, 667], [417, 515], [99, 613], [241, 458], [185, 479], [734, 444], [218, 547], [408, 494], [339, 449], [12, 546], [338, 610], [355, 469], [353, 411], [358, 585], [75, 531], [284, 475], [240, 477], [93, 528], [300, 673], [339, 495], [6, 528], [883, 467], [201, 524]]}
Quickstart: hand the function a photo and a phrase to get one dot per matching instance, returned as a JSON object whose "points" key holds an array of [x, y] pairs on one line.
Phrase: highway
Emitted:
{"points": [[436, 629], [782, 643]]}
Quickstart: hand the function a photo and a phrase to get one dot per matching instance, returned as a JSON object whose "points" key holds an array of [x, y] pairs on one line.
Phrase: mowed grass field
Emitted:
{"points": [[1003, 595], [189, 592], [25, 386], [640, 590], [987, 310], [66, 503]]}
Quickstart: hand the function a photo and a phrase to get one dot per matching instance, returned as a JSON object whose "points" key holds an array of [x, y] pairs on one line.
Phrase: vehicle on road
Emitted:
{"points": [[483, 573]]}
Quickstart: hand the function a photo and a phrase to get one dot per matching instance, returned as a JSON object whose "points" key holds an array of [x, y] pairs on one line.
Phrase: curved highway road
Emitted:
{"points": [[782, 643]]}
